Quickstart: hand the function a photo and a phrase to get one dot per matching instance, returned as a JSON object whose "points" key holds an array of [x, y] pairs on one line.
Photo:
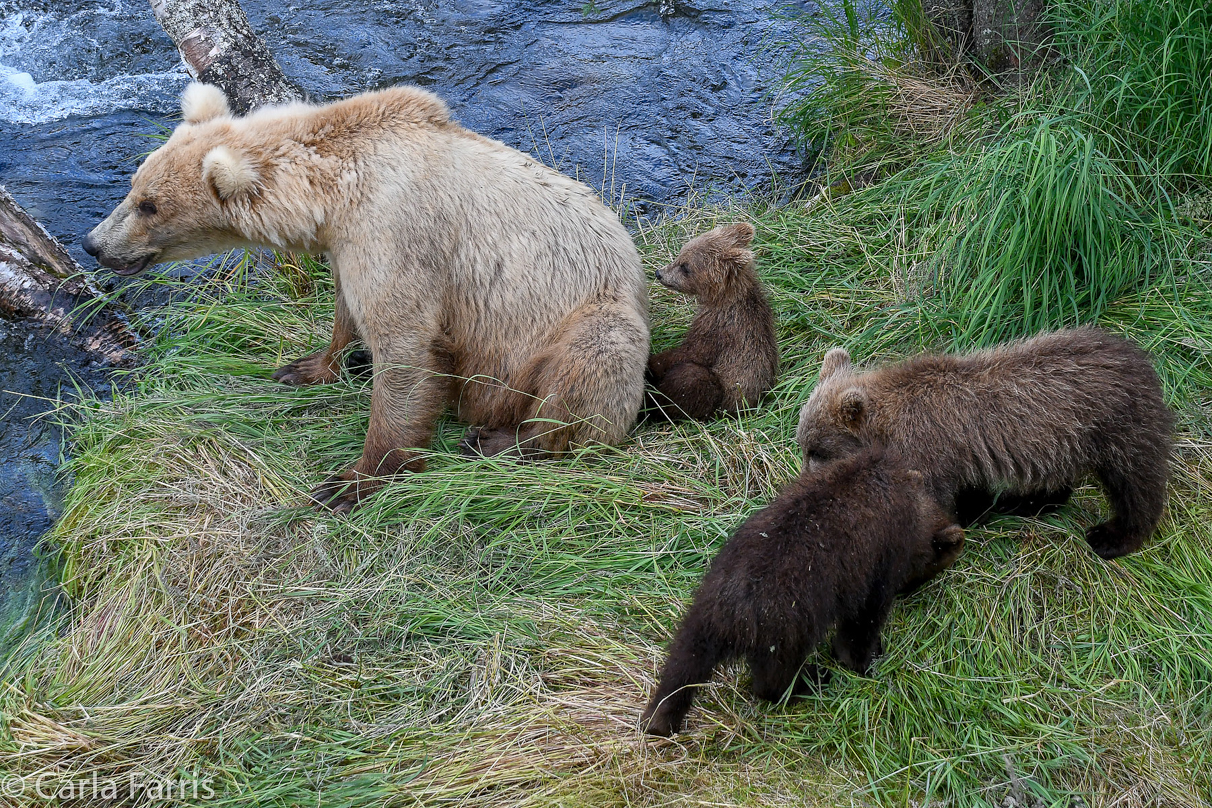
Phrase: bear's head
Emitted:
{"points": [[179, 205], [832, 422], [939, 539], [709, 266]]}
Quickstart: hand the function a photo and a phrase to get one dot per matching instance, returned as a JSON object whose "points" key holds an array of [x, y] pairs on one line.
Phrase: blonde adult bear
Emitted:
{"points": [[478, 277]]}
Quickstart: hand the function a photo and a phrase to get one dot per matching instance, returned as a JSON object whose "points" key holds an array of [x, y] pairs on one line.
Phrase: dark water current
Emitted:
{"points": [[641, 100]]}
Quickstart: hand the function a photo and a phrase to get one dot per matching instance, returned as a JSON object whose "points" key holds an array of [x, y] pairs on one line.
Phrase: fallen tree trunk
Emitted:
{"points": [[219, 47], [39, 281]]}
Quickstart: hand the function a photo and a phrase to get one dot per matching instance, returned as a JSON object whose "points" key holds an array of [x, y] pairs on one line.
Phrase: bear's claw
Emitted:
{"points": [[313, 369], [470, 445], [338, 494]]}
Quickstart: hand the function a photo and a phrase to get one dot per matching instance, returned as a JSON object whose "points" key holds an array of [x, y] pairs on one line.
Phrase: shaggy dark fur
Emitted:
{"points": [[1027, 419], [730, 355], [833, 549]]}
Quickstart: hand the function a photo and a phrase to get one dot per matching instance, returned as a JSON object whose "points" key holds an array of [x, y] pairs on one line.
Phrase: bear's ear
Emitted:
{"points": [[731, 261], [229, 173], [203, 102], [738, 235], [949, 537], [837, 360], [852, 407]]}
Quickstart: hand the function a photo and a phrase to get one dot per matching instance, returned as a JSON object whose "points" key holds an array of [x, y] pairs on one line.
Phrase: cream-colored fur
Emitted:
{"points": [[203, 102], [454, 256], [229, 173]]}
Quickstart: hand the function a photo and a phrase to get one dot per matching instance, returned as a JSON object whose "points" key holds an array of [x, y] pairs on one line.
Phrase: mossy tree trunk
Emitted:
{"points": [[1004, 36]]}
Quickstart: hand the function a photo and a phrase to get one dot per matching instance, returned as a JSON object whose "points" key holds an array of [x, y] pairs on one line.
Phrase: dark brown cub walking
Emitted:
{"points": [[832, 550]]}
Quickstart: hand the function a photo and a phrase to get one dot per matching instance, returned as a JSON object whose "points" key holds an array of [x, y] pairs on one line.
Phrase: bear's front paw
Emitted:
{"points": [[341, 493], [314, 369], [812, 678]]}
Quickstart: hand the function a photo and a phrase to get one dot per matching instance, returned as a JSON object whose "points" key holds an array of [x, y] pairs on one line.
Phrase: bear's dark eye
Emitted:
{"points": [[685, 267], [818, 456], [147, 207]]}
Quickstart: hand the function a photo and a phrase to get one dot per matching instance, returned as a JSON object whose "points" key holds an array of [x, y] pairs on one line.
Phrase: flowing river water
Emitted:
{"points": [[644, 101]]}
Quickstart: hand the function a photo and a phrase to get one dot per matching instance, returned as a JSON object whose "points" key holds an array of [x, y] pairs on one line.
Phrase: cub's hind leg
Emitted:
{"points": [[1137, 498], [687, 390]]}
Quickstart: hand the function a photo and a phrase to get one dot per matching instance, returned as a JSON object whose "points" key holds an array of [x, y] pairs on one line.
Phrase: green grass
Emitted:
{"points": [[487, 632]]}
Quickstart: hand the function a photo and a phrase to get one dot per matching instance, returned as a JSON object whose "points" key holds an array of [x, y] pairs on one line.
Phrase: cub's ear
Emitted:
{"points": [[950, 537], [739, 234], [852, 407], [203, 102], [836, 361], [229, 173]]}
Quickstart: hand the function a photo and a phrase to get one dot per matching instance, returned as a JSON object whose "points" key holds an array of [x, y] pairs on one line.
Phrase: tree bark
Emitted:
{"points": [[39, 281], [219, 47]]}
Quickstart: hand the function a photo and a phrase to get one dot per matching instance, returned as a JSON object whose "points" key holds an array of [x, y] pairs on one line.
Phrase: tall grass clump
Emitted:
{"points": [[1041, 205], [866, 86], [1145, 68], [1035, 231]]}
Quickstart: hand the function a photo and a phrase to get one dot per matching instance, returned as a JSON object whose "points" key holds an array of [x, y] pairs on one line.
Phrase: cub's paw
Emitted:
{"points": [[314, 369], [659, 721], [341, 493], [470, 445], [1108, 541], [812, 678]]}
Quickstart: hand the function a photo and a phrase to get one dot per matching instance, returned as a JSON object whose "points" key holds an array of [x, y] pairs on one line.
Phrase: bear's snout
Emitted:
{"points": [[89, 245], [658, 272]]}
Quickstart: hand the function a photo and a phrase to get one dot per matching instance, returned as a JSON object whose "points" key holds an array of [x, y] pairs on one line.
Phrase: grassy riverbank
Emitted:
{"points": [[486, 633]]}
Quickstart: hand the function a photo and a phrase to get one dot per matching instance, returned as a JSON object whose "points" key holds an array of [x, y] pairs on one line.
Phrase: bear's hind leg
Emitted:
{"points": [[688, 390], [1137, 497], [323, 366], [693, 655], [587, 386]]}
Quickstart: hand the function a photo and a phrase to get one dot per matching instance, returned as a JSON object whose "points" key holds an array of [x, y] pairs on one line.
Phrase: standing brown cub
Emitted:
{"points": [[730, 355], [833, 549], [1028, 418]]}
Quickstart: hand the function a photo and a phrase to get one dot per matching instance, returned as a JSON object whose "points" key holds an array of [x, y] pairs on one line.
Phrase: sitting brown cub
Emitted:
{"points": [[730, 355], [1028, 418], [833, 549]]}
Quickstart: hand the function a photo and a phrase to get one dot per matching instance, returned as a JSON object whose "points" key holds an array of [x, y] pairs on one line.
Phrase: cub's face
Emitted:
{"points": [[831, 422], [709, 262], [940, 539], [173, 211]]}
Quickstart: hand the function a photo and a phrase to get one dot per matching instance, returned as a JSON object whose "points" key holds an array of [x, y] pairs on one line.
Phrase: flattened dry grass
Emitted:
{"points": [[486, 633]]}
